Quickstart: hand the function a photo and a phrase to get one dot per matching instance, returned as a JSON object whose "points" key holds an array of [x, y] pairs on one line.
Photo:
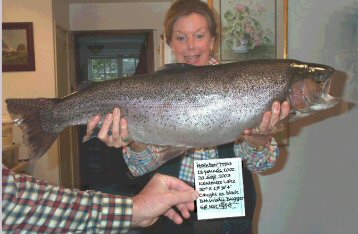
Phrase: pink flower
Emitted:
{"points": [[249, 29], [241, 7], [258, 41]]}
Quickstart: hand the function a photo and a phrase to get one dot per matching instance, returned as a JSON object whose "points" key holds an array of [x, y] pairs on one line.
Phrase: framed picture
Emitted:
{"points": [[251, 29], [18, 47]]}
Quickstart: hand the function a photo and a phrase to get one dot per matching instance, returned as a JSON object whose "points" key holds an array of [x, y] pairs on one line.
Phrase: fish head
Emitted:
{"points": [[309, 89]]}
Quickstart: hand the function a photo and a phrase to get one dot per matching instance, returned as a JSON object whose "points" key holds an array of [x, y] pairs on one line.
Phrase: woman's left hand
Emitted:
{"points": [[261, 135], [113, 122]]}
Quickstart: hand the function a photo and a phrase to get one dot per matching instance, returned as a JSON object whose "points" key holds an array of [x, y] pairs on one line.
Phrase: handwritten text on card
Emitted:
{"points": [[219, 182]]}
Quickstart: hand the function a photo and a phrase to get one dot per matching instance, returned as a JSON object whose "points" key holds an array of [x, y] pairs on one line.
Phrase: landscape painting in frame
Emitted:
{"points": [[17, 47], [248, 29]]}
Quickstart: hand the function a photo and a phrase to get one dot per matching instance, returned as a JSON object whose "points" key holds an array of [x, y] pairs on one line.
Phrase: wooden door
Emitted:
{"points": [[68, 143]]}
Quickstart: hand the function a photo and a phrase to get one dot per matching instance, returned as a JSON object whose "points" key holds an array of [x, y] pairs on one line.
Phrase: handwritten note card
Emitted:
{"points": [[219, 182]]}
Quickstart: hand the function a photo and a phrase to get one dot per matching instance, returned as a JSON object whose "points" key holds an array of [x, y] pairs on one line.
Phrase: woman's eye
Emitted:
{"points": [[200, 36], [180, 38]]}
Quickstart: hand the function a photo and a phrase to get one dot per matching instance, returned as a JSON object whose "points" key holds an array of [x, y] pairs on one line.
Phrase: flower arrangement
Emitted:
{"points": [[244, 30]]}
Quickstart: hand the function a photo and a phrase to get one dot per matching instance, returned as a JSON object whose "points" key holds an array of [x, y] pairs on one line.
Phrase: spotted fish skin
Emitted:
{"points": [[184, 106]]}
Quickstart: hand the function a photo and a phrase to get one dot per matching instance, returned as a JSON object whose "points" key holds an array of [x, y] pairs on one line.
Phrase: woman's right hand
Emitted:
{"points": [[119, 136]]}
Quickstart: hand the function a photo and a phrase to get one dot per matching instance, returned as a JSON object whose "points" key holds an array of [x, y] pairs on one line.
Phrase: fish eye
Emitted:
{"points": [[319, 79]]}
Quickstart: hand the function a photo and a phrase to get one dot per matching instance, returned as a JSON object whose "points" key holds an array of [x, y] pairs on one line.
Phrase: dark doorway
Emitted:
{"points": [[100, 56], [103, 55]]}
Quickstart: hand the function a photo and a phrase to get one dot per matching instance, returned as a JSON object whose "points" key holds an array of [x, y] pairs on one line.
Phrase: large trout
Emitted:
{"points": [[181, 106]]}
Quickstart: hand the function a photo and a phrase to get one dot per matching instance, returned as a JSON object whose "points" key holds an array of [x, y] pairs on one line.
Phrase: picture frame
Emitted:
{"points": [[18, 47], [265, 35]]}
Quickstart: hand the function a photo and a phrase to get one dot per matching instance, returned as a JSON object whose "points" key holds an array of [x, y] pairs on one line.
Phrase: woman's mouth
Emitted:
{"points": [[191, 59]]}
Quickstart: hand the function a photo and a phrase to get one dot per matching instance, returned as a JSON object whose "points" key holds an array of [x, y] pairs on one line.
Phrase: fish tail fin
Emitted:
{"points": [[26, 115]]}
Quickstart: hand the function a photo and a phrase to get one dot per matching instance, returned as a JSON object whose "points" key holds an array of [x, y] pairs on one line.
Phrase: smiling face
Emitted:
{"points": [[191, 40]]}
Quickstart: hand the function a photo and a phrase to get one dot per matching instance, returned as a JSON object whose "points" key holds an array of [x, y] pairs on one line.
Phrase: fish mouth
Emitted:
{"points": [[311, 93], [320, 101]]}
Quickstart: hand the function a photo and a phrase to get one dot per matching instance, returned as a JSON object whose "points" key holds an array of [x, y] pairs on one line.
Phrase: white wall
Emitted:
{"points": [[121, 16], [314, 188], [42, 82], [39, 83]]}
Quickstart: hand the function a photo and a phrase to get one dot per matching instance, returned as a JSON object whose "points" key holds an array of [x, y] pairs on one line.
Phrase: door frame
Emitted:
{"points": [[68, 140]]}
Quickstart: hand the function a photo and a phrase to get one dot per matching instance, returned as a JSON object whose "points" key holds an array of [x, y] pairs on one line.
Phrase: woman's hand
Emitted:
{"points": [[119, 136], [261, 135]]}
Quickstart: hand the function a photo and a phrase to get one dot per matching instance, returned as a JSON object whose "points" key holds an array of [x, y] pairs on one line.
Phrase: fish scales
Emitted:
{"points": [[197, 115], [184, 107]]}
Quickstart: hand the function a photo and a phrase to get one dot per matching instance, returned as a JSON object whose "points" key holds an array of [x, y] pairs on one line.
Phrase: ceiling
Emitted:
{"points": [[117, 44]]}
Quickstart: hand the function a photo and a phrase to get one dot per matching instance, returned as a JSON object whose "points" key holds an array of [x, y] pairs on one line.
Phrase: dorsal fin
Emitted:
{"points": [[85, 85]]}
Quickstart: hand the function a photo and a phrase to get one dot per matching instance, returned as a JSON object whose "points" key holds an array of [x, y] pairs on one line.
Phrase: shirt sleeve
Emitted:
{"points": [[258, 161], [140, 163], [35, 206]]}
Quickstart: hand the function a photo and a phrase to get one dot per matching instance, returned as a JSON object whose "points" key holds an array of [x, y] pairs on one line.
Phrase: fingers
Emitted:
{"points": [[182, 195], [124, 128], [262, 128], [275, 116], [107, 123], [262, 133], [184, 209], [159, 197], [174, 216], [120, 126], [285, 110], [184, 201], [265, 123], [116, 133], [92, 124], [112, 122], [278, 112]]}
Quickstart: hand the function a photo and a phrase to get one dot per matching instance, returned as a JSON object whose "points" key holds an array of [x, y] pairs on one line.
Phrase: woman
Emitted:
{"points": [[190, 30]]}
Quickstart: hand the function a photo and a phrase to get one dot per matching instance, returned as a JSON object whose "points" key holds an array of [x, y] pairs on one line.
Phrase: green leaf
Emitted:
{"points": [[229, 15]]}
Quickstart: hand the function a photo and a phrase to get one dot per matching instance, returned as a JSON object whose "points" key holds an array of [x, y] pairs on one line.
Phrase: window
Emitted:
{"points": [[129, 66], [107, 68]]}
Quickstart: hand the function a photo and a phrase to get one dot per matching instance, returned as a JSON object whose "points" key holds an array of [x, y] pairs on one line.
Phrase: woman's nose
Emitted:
{"points": [[191, 43]]}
